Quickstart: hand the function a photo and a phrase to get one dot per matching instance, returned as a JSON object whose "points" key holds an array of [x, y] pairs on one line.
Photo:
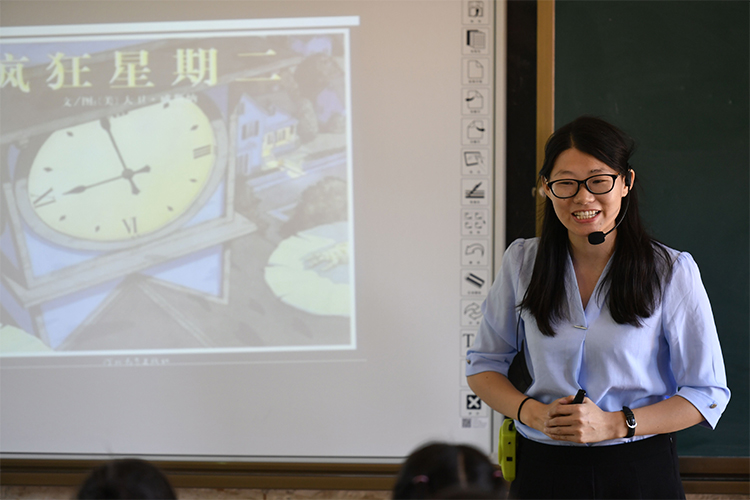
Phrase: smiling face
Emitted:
{"points": [[585, 212]]}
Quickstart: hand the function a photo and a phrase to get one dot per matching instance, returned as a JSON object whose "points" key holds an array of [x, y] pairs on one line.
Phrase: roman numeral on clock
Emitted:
{"points": [[202, 151], [131, 227]]}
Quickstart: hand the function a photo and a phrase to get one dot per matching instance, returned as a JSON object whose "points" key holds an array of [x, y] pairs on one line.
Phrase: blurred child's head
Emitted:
{"points": [[126, 478], [440, 470]]}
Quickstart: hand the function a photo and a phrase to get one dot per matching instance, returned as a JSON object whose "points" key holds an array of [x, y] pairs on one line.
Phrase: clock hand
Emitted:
{"points": [[127, 174], [82, 188], [42, 197], [108, 128]]}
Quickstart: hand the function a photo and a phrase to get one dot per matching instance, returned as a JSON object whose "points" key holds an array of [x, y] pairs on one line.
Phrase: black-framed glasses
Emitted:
{"points": [[596, 184]]}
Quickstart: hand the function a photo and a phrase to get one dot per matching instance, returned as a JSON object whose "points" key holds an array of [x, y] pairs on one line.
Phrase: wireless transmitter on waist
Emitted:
{"points": [[506, 455]]}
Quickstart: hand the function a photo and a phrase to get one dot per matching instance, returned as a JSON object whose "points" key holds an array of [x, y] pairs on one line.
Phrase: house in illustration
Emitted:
{"points": [[266, 130]]}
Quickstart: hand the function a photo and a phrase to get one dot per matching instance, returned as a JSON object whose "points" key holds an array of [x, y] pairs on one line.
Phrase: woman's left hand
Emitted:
{"points": [[581, 423]]}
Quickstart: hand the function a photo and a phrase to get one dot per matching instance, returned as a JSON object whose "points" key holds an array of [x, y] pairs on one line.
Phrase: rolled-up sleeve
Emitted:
{"points": [[495, 343], [695, 352]]}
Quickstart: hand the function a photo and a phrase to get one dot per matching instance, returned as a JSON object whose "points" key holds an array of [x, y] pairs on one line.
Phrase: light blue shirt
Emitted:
{"points": [[675, 351]]}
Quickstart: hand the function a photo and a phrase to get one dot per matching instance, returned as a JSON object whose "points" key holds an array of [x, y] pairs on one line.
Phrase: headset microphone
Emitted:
{"points": [[597, 237]]}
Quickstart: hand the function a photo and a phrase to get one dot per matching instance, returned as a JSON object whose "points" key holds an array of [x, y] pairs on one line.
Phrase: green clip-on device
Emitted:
{"points": [[506, 455]]}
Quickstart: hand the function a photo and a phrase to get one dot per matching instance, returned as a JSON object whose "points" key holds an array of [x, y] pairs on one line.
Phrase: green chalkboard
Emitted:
{"points": [[674, 75]]}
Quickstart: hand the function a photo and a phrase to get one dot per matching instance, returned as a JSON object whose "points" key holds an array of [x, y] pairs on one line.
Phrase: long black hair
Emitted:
{"points": [[640, 265]]}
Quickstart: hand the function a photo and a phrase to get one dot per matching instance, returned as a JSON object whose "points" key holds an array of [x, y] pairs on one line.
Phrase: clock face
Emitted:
{"points": [[123, 179]]}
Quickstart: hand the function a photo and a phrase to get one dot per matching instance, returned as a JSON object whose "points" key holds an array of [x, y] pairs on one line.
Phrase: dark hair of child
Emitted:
{"points": [[129, 478], [441, 470]]}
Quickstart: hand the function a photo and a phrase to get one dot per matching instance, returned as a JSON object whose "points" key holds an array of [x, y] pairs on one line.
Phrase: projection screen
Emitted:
{"points": [[244, 229]]}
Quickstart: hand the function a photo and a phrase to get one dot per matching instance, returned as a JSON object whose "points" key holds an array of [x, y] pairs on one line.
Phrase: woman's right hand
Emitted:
{"points": [[562, 420]]}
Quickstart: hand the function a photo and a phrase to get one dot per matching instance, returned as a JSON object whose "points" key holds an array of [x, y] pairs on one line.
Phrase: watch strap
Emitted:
{"points": [[629, 421]]}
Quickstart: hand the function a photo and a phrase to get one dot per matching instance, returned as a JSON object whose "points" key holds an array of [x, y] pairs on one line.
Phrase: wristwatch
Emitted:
{"points": [[629, 421]]}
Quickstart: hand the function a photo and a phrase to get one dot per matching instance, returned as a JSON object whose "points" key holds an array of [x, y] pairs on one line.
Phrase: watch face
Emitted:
{"points": [[122, 179]]}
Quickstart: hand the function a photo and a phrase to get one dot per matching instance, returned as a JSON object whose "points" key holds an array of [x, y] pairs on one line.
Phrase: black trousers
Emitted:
{"points": [[646, 469]]}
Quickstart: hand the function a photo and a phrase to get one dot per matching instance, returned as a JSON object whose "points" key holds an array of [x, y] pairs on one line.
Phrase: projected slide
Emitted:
{"points": [[176, 188]]}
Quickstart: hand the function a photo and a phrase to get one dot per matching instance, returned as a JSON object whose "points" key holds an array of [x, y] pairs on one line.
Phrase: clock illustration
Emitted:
{"points": [[116, 200], [119, 181]]}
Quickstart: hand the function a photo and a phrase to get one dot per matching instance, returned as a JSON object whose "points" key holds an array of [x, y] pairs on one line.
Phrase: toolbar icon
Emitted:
{"points": [[467, 341], [474, 282], [474, 253], [476, 132], [476, 9], [476, 72], [476, 12], [471, 312], [475, 191], [472, 405], [474, 162], [475, 101], [475, 223], [476, 41]]}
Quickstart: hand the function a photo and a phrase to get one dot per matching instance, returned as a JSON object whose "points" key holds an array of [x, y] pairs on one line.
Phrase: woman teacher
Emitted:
{"points": [[598, 305]]}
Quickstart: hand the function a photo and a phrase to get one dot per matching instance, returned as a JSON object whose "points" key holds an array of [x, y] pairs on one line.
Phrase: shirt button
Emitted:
{"points": [[468, 362], [713, 406]]}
